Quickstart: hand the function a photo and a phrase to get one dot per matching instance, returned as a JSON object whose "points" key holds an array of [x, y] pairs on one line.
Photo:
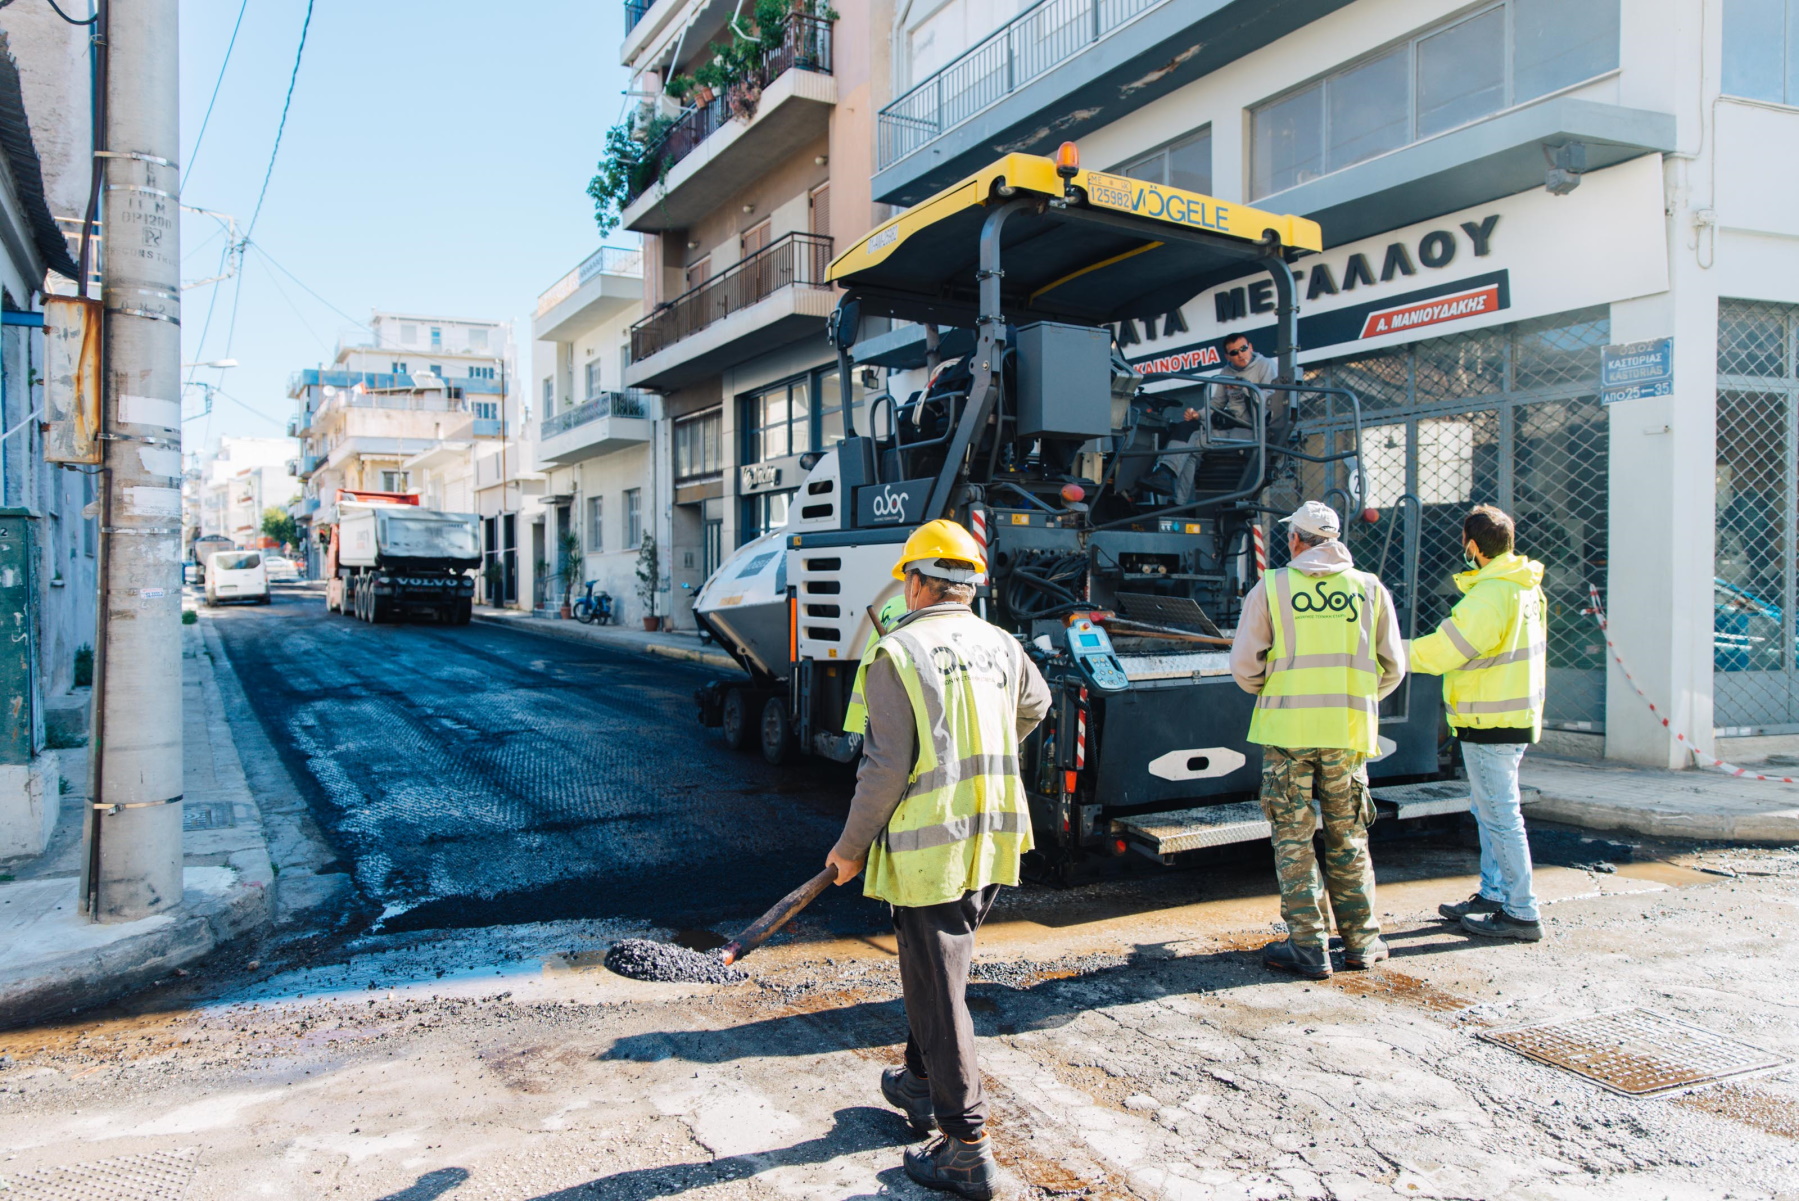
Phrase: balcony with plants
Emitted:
{"points": [[753, 99]]}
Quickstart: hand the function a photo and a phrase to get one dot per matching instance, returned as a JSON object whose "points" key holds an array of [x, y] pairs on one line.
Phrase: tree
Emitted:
{"points": [[277, 524]]}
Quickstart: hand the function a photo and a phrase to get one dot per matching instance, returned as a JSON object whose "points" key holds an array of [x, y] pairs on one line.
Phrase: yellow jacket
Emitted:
{"points": [[1491, 649]]}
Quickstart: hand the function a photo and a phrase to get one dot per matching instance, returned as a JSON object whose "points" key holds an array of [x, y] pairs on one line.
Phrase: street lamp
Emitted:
{"points": [[213, 363]]}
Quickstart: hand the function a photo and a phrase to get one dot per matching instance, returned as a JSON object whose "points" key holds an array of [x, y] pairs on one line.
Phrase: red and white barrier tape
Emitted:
{"points": [[1704, 757]]}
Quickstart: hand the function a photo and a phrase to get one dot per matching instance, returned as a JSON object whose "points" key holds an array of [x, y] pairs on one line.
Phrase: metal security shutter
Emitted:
{"points": [[1509, 416], [1755, 679]]}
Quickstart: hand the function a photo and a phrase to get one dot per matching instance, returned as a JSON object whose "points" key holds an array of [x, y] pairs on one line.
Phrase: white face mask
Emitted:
{"points": [[1469, 559]]}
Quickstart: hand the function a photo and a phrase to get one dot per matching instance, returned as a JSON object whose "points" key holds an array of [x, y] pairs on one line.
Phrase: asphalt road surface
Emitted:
{"points": [[478, 776]]}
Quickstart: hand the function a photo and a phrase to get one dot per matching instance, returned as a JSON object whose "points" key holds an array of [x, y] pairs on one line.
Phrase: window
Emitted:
{"points": [[477, 339], [437, 338], [1185, 164], [1439, 79], [397, 367], [777, 421], [481, 372], [437, 369], [1761, 50], [697, 444], [830, 406], [593, 378], [393, 481], [409, 334], [633, 517], [819, 206], [596, 532], [486, 410], [549, 395], [764, 512], [698, 273]]}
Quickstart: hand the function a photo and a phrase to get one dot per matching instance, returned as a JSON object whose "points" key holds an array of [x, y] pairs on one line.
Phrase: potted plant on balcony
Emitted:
{"points": [[568, 562], [649, 580], [709, 78], [680, 87]]}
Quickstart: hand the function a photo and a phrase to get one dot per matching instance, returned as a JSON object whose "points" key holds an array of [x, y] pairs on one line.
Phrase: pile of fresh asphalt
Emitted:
{"points": [[642, 959]]}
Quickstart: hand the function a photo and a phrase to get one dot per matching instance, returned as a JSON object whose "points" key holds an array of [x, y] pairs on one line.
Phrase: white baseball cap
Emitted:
{"points": [[1315, 518]]}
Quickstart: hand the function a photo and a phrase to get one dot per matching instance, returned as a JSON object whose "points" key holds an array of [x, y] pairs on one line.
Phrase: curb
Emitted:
{"points": [[550, 630], [1770, 826]]}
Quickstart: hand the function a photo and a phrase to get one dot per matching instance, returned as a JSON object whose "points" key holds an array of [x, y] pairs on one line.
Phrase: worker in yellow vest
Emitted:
{"points": [[1490, 651], [1318, 643], [941, 819], [855, 717]]}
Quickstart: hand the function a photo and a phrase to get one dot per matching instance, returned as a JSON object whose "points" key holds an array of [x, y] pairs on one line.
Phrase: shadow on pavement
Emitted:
{"points": [[1000, 1010], [855, 1130], [430, 1186]]}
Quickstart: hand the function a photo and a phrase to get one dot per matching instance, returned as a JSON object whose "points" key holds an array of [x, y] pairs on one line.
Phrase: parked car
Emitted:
{"points": [[236, 575], [280, 567], [1746, 630]]}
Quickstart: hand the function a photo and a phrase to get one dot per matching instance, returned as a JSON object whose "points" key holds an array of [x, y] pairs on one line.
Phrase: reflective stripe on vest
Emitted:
{"points": [[964, 820], [1323, 680], [855, 716], [1505, 688]]}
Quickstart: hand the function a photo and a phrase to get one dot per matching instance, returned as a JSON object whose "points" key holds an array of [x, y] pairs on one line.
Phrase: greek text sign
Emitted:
{"points": [[1634, 370]]}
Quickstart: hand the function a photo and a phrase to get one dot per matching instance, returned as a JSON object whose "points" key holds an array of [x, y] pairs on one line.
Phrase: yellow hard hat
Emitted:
{"points": [[941, 539]]}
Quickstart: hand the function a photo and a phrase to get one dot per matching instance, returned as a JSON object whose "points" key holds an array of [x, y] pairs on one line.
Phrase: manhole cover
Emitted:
{"points": [[207, 815], [151, 1176], [1637, 1052]]}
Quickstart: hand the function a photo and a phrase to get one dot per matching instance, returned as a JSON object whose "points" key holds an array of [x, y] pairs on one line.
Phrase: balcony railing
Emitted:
{"points": [[795, 260], [807, 47], [1044, 35], [634, 12], [629, 403], [607, 260]]}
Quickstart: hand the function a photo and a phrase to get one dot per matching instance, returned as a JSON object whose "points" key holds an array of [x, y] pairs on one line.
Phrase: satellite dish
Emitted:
{"points": [[330, 391]]}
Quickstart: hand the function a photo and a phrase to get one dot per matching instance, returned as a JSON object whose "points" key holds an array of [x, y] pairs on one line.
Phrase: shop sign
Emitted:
{"points": [[1636, 370], [758, 477], [1521, 256]]}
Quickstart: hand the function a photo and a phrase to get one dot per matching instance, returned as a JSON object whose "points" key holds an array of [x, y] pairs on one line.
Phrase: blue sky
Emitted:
{"points": [[434, 161]]}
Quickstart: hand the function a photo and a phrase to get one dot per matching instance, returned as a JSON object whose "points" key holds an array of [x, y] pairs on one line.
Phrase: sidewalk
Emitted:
{"points": [[53, 959], [1664, 804], [670, 645]]}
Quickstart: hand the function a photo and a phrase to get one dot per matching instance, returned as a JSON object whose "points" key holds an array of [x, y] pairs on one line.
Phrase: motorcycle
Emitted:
{"points": [[594, 607]]}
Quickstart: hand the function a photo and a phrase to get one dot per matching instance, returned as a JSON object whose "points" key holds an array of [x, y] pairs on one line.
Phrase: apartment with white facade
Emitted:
{"points": [[236, 481], [1561, 274]]}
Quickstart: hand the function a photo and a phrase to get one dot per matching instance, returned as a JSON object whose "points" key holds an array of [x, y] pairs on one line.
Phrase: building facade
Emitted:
{"points": [[233, 484], [1559, 276], [415, 386], [748, 186]]}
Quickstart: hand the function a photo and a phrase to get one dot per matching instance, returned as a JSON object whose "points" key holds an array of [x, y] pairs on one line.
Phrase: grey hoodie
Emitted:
{"points": [[1255, 629]]}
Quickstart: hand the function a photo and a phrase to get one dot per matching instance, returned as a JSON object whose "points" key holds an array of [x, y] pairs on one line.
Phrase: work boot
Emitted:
{"points": [[1160, 482], [1502, 925], [1311, 962], [907, 1092], [1460, 909], [1367, 957], [953, 1166]]}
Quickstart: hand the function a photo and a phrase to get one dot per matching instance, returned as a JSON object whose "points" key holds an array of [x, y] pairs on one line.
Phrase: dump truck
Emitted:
{"points": [[1020, 418], [389, 558]]}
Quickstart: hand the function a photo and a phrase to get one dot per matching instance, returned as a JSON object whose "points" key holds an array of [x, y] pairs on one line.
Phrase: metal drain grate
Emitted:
{"points": [[1637, 1052], [151, 1176], [208, 815]]}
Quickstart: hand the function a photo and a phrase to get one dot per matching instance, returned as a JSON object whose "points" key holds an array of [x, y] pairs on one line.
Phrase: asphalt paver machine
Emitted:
{"points": [[1031, 429]]}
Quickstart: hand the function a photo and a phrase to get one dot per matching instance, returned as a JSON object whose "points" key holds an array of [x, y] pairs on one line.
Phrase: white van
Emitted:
{"points": [[236, 575]]}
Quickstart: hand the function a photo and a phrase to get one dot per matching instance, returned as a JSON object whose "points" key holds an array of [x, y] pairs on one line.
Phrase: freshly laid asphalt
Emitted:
{"points": [[476, 776]]}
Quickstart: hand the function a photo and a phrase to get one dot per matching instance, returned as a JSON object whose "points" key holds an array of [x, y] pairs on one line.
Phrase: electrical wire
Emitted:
{"points": [[259, 248], [282, 127], [217, 83], [71, 20]]}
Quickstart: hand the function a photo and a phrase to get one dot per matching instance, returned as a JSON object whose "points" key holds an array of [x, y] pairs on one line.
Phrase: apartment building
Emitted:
{"points": [[1560, 276], [750, 177], [597, 438], [234, 483], [414, 385]]}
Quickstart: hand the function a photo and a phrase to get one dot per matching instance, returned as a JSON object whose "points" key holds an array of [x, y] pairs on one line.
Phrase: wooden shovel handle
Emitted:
{"points": [[758, 931]]}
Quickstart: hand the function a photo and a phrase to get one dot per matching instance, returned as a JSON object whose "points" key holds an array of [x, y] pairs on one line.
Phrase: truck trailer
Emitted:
{"points": [[1030, 428], [389, 559]]}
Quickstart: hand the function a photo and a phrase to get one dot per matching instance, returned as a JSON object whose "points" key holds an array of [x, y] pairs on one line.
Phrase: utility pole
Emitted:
{"points": [[133, 867]]}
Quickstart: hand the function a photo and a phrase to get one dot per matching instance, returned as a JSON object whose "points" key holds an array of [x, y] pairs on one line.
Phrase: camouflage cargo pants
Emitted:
{"points": [[1292, 778]]}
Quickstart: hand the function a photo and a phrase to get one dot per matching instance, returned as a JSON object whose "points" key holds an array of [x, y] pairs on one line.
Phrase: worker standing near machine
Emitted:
{"points": [[855, 717], [941, 818], [1318, 642], [1490, 651]]}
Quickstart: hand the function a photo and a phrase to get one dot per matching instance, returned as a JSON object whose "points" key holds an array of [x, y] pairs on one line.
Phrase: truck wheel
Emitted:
{"points": [[777, 731], [465, 612], [734, 719], [378, 612]]}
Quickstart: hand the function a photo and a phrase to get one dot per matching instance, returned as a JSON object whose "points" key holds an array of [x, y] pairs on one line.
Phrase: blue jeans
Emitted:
{"points": [[1504, 853]]}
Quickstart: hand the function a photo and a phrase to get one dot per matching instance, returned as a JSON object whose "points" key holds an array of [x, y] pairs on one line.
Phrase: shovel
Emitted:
{"points": [[758, 931]]}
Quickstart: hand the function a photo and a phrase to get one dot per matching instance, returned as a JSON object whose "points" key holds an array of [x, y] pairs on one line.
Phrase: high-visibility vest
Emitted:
{"points": [[1323, 682], [964, 820], [1492, 648], [855, 715]]}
